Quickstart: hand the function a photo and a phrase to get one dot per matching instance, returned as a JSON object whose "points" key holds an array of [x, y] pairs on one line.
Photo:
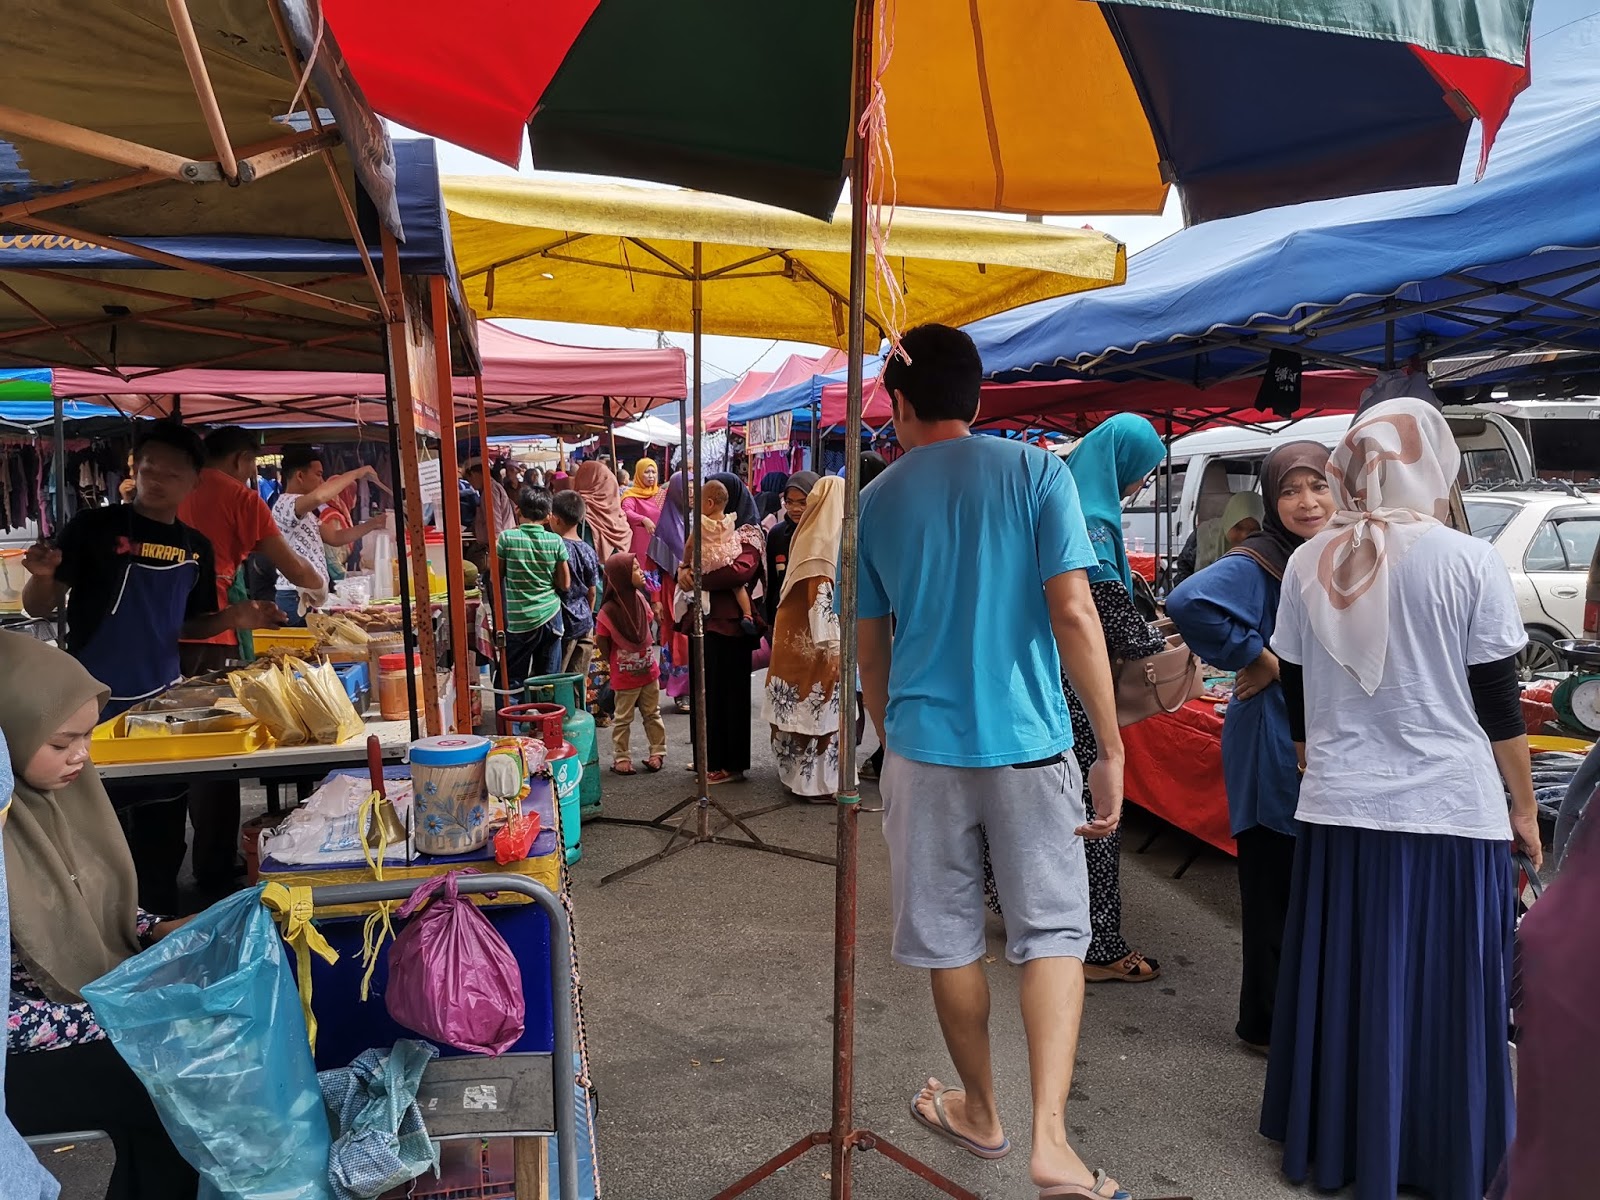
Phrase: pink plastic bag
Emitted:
{"points": [[452, 978]]}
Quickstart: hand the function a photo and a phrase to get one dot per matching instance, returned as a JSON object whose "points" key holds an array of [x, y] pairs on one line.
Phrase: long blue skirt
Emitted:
{"points": [[1389, 1064]]}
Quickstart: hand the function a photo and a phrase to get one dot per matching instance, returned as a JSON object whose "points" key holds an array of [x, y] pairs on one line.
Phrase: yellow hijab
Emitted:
{"points": [[637, 488]]}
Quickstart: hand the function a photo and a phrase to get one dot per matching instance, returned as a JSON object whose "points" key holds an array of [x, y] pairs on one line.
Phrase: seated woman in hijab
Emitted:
{"points": [[74, 916], [1214, 538]]}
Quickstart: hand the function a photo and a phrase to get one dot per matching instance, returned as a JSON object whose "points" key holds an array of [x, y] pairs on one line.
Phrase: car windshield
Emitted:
{"points": [[1486, 518]]}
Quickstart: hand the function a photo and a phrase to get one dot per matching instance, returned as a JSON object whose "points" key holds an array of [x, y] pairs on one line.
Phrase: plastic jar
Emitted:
{"points": [[394, 699]]}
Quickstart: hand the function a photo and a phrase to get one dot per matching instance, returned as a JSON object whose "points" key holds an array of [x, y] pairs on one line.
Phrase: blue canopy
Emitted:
{"points": [[800, 397], [1506, 264]]}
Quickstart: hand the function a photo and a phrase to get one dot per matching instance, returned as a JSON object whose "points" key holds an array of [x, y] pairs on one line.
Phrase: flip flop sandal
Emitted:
{"points": [[616, 768], [654, 763], [1132, 967], [717, 777], [1099, 1190], [941, 1128]]}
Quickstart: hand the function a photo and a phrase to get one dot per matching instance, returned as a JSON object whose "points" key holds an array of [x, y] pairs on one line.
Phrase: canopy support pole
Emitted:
{"points": [[495, 607], [402, 496], [194, 59], [611, 437], [59, 451], [842, 1136], [693, 824]]}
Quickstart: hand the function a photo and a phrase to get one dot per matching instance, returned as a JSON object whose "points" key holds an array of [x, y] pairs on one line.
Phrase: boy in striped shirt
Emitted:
{"points": [[533, 563]]}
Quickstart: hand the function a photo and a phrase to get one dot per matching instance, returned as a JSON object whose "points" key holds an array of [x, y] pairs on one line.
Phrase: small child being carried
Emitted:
{"points": [[723, 542]]}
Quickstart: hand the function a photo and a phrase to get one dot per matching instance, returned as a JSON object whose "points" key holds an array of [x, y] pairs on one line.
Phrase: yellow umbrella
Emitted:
{"points": [[613, 255]]}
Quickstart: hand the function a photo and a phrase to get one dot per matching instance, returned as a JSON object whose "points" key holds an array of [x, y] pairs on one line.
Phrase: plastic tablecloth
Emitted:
{"points": [[1143, 564], [1174, 770]]}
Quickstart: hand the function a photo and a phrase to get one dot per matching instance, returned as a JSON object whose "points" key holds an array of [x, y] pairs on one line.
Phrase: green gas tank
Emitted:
{"points": [[569, 691]]}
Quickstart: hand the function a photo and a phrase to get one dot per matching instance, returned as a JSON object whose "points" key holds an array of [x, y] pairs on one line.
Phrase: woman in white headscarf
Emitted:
{"points": [[1397, 639]]}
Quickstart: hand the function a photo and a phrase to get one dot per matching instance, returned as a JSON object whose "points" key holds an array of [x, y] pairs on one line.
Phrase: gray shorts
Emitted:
{"points": [[932, 818]]}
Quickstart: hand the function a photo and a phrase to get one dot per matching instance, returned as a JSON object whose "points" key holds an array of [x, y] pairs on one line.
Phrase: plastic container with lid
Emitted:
{"points": [[448, 811], [394, 698]]}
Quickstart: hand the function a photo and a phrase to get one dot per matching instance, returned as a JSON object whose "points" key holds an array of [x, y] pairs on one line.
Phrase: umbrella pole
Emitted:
{"points": [[842, 1136], [693, 824]]}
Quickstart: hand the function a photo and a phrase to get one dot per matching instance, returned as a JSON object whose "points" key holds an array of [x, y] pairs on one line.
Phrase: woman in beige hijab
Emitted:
{"points": [[74, 916], [802, 695], [1396, 640]]}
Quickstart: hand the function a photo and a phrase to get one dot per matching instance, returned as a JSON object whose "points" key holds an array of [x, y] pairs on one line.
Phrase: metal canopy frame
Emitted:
{"points": [[367, 321], [1549, 320]]}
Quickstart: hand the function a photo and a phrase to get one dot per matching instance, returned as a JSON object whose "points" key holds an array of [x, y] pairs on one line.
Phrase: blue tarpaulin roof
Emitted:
{"points": [[1507, 263]]}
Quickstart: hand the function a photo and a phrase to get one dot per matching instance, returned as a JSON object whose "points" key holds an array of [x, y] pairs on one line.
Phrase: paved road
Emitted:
{"points": [[708, 982]]}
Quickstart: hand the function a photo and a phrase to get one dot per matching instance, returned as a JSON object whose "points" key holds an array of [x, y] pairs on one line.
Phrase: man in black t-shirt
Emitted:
{"points": [[133, 579]]}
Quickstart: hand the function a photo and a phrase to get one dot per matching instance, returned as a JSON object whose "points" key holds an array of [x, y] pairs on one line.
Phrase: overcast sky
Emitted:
{"points": [[730, 356]]}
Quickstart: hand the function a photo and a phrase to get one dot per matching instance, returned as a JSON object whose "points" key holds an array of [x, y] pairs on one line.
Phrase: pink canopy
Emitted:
{"points": [[529, 387], [797, 368]]}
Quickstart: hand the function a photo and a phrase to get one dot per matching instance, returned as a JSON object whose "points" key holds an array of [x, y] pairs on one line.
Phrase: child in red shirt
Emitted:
{"points": [[625, 635]]}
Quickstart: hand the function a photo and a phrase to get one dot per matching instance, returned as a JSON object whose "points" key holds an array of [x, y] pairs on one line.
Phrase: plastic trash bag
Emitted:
{"points": [[380, 1141], [452, 978], [210, 1022]]}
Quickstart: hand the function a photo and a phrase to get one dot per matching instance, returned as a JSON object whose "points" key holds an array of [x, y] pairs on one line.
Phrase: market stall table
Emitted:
{"points": [[1174, 770], [272, 766]]}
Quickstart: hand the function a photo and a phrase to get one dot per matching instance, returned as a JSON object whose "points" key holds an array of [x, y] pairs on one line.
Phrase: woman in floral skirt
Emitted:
{"points": [[802, 697]]}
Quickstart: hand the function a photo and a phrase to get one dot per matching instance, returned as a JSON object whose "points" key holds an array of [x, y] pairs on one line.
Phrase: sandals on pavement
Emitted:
{"points": [[623, 766], [941, 1128], [1132, 967], [1102, 1189], [654, 763]]}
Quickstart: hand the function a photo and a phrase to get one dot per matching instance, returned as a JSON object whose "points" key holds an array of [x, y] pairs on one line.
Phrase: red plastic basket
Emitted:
{"points": [[468, 1170], [544, 717]]}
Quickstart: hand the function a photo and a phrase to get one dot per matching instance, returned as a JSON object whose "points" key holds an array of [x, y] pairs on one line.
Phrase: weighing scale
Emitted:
{"points": [[1577, 698]]}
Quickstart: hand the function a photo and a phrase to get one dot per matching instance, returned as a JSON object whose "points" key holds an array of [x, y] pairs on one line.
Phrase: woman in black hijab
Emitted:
{"points": [[1227, 613], [796, 488]]}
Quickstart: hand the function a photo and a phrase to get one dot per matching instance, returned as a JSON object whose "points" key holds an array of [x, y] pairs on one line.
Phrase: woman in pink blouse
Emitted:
{"points": [[642, 505]]}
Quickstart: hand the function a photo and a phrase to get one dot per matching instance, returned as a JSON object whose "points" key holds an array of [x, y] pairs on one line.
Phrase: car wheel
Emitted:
{"points": [[1540, 654]]}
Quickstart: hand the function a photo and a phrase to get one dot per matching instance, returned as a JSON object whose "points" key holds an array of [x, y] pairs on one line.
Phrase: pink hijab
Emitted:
{"points": [[597, 484]]}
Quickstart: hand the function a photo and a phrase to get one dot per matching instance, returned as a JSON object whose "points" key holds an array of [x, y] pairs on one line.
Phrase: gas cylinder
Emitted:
{"points": [[569, 691]]}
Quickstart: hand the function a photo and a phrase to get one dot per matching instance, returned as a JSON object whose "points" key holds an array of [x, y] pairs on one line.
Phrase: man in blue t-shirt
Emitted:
{"points": [[973, 598]]}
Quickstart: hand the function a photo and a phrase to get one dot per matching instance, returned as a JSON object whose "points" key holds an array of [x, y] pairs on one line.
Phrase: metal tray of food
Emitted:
{"points": [[179, 720]]}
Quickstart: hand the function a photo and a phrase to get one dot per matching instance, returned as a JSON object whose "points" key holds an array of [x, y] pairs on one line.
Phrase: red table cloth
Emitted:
{"points": [[1174, 770]]}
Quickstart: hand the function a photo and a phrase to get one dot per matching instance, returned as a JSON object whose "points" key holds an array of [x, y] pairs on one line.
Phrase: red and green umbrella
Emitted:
{"points": [[1007, 105]]}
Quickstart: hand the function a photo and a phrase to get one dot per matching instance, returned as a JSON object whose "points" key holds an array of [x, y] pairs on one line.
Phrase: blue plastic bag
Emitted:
{"points": [[209, 1020]]}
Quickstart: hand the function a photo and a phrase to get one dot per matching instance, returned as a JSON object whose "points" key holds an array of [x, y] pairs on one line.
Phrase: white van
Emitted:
{"points": [[1209, 466]]}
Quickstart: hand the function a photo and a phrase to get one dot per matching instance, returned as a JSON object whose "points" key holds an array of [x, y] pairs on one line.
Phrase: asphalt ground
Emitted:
{"points": [[708, 988]]}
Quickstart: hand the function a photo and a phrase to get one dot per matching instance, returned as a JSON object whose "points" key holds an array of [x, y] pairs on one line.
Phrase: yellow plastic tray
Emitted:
{"points": [[1541, 743], [300, 640], [111, 744]]}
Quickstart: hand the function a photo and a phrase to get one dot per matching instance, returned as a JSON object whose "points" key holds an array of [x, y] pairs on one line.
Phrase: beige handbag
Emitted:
{"points": [[1163, 682]]}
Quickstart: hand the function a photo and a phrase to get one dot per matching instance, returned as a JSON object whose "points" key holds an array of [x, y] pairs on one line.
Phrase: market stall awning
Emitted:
{"points": [[1075, 406], [67, 300], [530, 386], [1511, 263], [613, 255], [169, 195], [984, 100]]}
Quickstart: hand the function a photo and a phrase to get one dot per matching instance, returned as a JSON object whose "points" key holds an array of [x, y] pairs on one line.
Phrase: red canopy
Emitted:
{"points": [[1074, 406], [529, 387]]}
